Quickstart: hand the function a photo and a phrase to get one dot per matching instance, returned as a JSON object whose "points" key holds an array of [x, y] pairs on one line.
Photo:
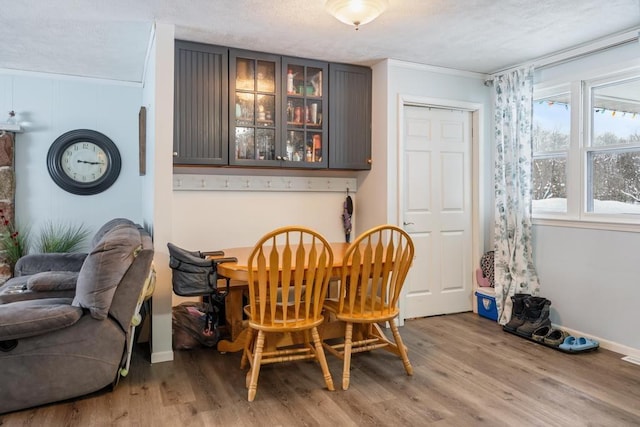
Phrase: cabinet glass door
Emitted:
{"points": [[254, 121], [305, 132]]}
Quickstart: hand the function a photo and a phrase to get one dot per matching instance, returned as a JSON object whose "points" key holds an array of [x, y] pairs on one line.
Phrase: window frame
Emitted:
{"points": [[581, 130]]}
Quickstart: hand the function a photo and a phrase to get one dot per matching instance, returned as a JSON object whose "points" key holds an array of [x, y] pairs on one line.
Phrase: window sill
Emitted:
{"points": [[632, 227]]}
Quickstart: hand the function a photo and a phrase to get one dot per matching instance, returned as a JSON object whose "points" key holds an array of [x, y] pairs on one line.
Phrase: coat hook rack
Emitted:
{"points": [[201, 182]]}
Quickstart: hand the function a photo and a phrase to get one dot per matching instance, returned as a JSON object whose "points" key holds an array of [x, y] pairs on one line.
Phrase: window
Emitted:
{"points": [[586, 160], [551, 139], [613, 154]]}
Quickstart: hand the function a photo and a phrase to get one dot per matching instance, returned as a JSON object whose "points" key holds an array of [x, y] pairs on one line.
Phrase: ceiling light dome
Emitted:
{"points": [[356, 12]]}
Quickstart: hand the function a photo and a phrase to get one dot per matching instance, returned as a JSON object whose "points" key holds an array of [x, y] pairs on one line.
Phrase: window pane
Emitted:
{"points": [[551, 134], [614, 184], [549, 184], [551, 123], [616, 113]]}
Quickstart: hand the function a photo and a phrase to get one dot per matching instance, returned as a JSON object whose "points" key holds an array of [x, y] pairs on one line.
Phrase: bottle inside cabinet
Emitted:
{"points": [[304, 81]]}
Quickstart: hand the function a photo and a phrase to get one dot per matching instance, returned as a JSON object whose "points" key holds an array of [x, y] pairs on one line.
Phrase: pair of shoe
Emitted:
{"points": [[575, 345], [528, 314], [549, 336]]}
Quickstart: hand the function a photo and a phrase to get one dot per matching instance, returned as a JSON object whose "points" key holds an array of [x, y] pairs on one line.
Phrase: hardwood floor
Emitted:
{"points": [[467, 372]]}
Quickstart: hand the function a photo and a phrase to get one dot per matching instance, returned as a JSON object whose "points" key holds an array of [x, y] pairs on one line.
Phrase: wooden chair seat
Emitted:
{"points": [[376, 312], [293, 323]]}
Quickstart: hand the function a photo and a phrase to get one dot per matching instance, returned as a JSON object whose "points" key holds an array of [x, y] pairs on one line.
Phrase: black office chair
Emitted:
{"points": [[194, 273]]}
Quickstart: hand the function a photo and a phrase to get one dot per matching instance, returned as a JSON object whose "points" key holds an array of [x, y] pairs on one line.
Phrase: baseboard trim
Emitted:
{"points": [[631, 359], [162, 356]]}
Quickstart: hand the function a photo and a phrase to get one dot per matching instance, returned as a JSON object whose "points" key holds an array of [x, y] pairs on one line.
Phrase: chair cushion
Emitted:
{"points": [[23, 319], [104, 268], [52, 281]]}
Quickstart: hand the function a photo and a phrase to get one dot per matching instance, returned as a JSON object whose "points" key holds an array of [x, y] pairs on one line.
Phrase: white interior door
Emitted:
{"points": [[437, 210]]}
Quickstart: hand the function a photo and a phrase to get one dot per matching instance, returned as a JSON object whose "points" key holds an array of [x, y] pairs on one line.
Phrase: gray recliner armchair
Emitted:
{"points": [[50, 275], [53, 347]]}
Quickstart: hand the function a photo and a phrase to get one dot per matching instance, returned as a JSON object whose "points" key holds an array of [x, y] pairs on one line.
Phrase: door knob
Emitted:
{"points": [[408, 223]]}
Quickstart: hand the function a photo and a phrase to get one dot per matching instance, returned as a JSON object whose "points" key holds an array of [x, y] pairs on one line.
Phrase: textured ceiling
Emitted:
{"points": [[109, 39]]}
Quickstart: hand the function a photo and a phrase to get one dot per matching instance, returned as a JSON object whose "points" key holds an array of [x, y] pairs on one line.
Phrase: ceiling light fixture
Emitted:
{"points": [[356, 12]]}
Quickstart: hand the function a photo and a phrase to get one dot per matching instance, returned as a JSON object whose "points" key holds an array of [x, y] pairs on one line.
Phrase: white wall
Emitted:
{"points": [[211, 220], [48, 106], [591, 276], [392, 80], [160, 88], [395, 82]]}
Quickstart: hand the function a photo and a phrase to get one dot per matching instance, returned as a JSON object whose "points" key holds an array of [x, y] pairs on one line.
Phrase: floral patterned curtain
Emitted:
{"points": [[514, 270]]}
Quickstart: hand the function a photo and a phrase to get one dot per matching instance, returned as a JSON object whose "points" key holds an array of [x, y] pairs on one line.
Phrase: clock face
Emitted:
{"points": [[83, 162]]}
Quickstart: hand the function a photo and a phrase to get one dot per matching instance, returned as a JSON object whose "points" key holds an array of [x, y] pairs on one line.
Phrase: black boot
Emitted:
{"points": [[517, 313], [536, 315]]}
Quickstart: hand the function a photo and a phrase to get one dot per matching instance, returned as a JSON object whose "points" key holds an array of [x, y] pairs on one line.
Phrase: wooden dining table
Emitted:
{"points": [[238, 273]]}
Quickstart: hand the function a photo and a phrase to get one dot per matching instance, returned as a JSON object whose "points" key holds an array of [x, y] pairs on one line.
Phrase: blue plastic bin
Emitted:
{"points": [[487, 306]]}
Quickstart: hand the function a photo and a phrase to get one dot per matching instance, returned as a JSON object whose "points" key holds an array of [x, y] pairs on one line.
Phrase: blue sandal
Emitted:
{"points": [[582, 344], [576, 345], [567, 343]]}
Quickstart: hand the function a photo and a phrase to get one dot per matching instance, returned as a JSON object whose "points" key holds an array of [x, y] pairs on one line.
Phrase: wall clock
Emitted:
{"points": [[83, 162]]}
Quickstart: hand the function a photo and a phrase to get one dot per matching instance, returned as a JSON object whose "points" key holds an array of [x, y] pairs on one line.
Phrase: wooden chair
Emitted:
{"points": [[379, 260], [289, 271]]}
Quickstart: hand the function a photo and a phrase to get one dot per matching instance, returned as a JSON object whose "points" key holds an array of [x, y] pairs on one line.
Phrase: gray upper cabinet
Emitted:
{"points": [[200, 104], [241, 108], [349, 117]]}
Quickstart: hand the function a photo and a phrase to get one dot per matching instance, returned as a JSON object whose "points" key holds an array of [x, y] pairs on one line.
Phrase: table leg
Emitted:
{"points": [[225, 346], [233, 317]]}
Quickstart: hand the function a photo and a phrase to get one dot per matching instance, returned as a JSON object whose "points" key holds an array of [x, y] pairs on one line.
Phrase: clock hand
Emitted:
{"points": [[91, 163]]}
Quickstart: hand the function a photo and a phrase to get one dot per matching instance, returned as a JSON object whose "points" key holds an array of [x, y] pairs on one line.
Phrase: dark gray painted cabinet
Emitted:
{"points": [[238, 108], [349, 117], [201, 135]]}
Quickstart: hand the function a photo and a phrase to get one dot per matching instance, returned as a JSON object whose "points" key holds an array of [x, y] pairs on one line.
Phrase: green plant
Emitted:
{"points": [[56, 237], [14, 243]]}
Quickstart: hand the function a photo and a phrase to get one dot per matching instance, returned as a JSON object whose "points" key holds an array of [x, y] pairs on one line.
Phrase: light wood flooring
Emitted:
{"points": [[467, 372]]}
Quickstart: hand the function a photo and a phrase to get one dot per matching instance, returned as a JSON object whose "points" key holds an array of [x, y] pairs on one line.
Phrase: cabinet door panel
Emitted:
{"points": [[350, 117], [255, 100], [304, 130], [200, 104]]}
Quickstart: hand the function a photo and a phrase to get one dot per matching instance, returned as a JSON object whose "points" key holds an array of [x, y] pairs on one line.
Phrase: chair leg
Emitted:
{"points": [[348, 336], [247, 348], [401, 348], [322, 359], [255, 366]]}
